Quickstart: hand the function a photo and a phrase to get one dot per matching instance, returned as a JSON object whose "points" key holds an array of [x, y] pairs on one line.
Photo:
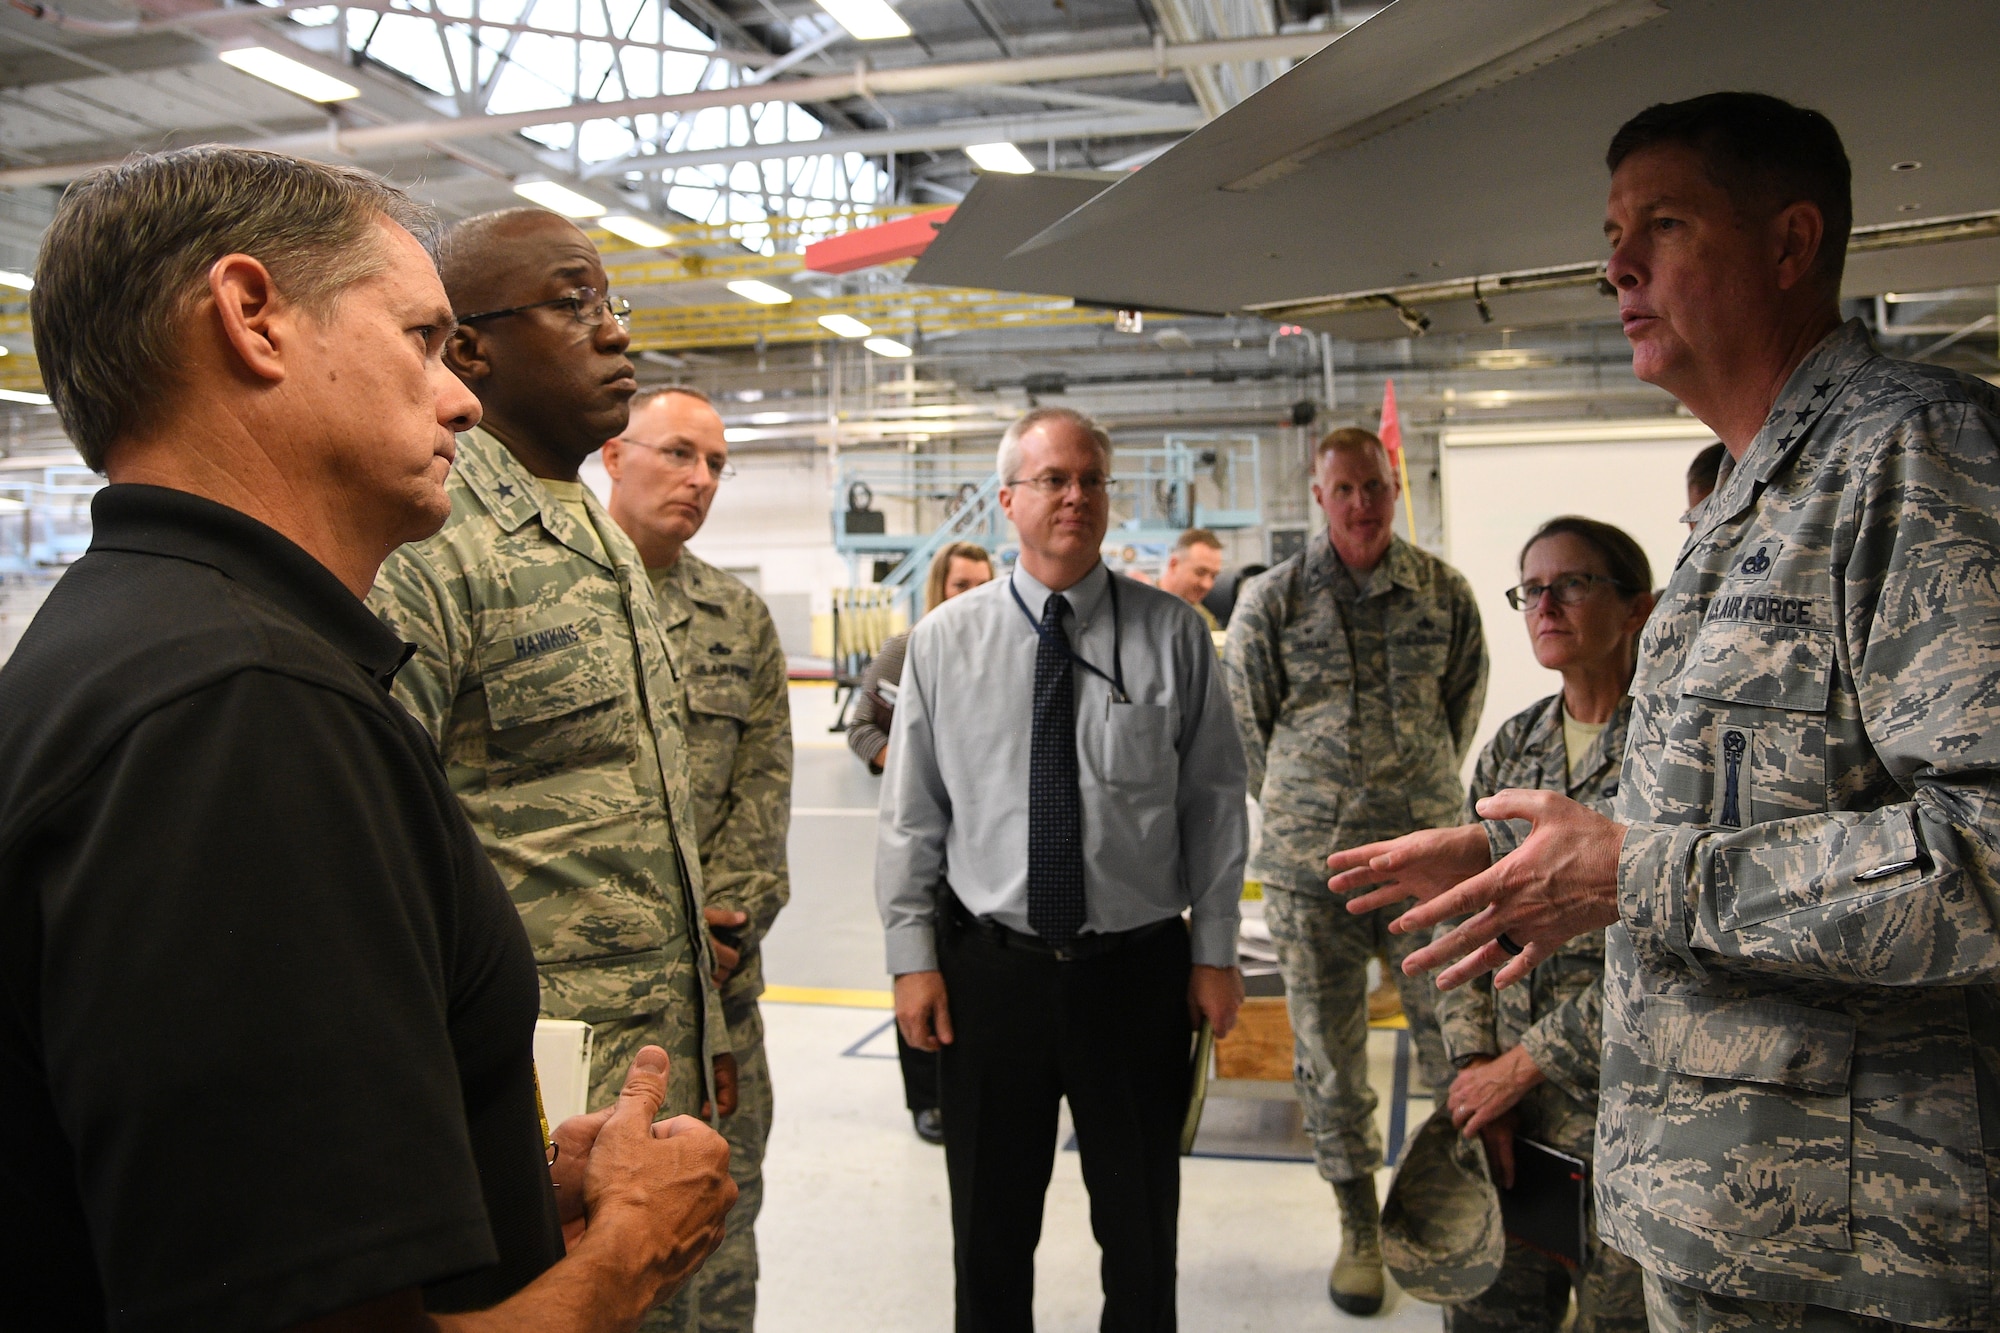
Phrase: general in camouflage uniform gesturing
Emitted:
{"points": [[665, 470], [1801, 1086], [1357, 669], [542, 672]]}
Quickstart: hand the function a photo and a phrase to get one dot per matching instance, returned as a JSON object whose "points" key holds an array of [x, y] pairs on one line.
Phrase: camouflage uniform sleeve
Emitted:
{"points": [[1906, 893], [1254, 674], [1502, 837], [1466, 1014], [1567, 1043], [748, 873], [1465, 674], [416, 601]]}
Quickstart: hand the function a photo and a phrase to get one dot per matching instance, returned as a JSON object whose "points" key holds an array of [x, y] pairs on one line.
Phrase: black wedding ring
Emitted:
{"points": [[1507, 944]]}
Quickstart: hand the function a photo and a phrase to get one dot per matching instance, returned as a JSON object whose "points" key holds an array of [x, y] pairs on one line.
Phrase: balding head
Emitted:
{"points": [[485, 258], [535, 341]]}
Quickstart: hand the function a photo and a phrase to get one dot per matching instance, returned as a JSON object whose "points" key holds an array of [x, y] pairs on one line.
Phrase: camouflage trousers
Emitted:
{"points": [[1531, 1295], [614, 1046], [729, 1278], [1673, 1308], [1323, 952]]}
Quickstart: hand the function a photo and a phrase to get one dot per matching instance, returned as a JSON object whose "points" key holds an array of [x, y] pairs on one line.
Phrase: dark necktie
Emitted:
{"points": [[1055, 801]]}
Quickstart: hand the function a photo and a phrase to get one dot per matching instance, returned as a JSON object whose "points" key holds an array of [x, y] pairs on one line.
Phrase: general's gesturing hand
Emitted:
{"points": [[1560, 882], [1418, 865]]}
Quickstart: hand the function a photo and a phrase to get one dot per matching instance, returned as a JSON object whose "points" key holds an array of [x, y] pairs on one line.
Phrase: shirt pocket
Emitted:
{"points": [[720, 695], [560, 704], [1138, 750], [1762, 694], [1755, 1138]]}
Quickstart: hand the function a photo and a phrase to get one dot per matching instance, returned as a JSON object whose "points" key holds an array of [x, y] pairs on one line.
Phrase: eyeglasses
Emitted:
{"points": [[680, 458], [1053, 484], [587, 306], [1569, 590]]}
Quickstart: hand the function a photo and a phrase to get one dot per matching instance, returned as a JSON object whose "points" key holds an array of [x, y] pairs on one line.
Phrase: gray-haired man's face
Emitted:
{"points": [[1058, 524]]}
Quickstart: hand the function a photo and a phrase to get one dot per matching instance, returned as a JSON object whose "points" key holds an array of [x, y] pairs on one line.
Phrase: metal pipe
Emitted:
{"points": [[1168, 119], [862, 82], [229, 14]]}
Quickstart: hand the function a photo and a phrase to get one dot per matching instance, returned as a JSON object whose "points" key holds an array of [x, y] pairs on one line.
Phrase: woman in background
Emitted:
{"points": [[959, 567]]}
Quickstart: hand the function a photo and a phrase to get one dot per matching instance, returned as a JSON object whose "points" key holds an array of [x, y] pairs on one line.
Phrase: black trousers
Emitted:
{"points": [[920, 1075], [1111, 1035]]}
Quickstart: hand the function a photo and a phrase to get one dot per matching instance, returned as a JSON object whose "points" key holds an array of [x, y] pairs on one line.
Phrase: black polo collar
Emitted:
{"points": [[153, 520]]}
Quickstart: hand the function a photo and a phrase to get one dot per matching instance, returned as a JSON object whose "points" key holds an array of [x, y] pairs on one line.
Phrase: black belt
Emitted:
{"points": [[1077, 950]]}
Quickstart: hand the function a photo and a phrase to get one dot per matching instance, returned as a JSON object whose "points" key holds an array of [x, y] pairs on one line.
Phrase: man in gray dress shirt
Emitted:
{"points": [[1064, 780]]}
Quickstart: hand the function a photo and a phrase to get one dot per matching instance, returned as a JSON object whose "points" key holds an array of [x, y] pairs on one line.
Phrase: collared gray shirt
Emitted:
{"points": [[1162, 775]]}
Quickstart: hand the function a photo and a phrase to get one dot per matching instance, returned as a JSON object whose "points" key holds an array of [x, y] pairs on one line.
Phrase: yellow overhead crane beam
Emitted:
{"points": [[893, 314]]}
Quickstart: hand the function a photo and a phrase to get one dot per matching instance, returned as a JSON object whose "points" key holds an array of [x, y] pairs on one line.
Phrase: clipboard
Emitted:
{"points": [[1545, 1209], [1204, 1052]]}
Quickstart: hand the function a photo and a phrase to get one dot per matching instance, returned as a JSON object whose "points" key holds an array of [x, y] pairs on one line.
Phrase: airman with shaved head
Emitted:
{"points": [[543, 673]]}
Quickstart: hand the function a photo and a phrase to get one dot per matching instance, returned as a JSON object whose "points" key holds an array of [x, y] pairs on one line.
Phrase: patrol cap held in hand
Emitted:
{"points": [[1441, 1232]]}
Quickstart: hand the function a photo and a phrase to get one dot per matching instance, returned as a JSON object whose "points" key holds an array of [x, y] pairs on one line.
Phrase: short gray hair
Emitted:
{"points": [[645, 396], [1010, 443], [128, 254]]}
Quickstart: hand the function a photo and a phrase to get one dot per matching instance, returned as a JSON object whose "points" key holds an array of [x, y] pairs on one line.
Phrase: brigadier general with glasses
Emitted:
{"points": [[1800, 1108], [1064, 780]]}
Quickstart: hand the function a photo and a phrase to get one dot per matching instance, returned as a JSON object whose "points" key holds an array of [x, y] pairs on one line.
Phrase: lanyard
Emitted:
{"points": [[1116, 680]]}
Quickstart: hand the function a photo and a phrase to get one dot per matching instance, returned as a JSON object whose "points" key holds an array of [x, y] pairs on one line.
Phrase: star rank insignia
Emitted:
{"points": [[1823, 388], [506, 490], [1800, 417]]}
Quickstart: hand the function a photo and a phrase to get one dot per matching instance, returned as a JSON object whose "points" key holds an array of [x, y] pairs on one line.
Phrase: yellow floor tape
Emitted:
{"points": [[827, 995]]}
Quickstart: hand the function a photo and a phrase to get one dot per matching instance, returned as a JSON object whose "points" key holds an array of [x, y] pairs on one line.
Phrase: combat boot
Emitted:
{"points": [[1355, 1284]]}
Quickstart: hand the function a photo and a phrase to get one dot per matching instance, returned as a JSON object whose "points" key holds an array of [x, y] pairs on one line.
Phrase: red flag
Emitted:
{"points": [[1392, 440], [1392, 429]]}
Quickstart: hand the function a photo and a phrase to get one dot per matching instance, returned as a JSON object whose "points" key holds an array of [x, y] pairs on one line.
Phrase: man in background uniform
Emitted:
{"points": [[1357, 669], [542, 673], [1800, 1119], [665, 470]]}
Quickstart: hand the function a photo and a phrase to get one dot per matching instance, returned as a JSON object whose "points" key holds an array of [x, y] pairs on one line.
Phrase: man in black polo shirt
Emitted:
{"points": [[266, 1013]]}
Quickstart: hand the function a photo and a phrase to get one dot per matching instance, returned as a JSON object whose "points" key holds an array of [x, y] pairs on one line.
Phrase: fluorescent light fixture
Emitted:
{"points": [[9, 278], [262, 62], [886, 347], [5, 350], [769, 418], [636, 230], [1636, 431], [738, 434], [23, 396], [847, 326], [763, 293], [866, 20], [560, 199], [1001, 157]]}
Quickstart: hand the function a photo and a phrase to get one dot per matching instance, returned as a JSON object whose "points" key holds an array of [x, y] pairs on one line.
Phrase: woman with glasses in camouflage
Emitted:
{"points": [[1527, 1056]]}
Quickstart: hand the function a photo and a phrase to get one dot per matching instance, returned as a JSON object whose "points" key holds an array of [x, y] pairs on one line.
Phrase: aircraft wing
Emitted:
{"points": [[1440, 142]]}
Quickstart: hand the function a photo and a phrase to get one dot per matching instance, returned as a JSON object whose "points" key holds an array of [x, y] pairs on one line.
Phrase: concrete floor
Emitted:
{"points": [[856, 1232]]}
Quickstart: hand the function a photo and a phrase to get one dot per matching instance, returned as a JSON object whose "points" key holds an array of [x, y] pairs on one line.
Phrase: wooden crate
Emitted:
{"points": [[1260, 1047]]}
